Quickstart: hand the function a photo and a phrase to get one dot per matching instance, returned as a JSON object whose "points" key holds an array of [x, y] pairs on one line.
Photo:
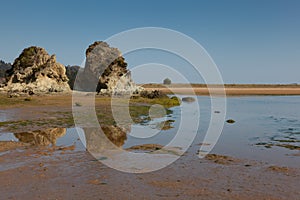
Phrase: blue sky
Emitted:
{"points": [[250, 41]]}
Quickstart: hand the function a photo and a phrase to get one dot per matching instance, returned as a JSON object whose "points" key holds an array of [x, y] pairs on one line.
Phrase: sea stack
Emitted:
{"points": [[35, 71], [105, 71]]}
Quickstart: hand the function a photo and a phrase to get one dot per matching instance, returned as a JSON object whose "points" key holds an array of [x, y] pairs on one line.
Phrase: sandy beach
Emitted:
{"points": [[230, 90], [45, 174]]}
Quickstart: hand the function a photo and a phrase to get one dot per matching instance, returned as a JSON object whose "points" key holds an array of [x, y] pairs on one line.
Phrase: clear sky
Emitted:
{"points": [[250, 41]]}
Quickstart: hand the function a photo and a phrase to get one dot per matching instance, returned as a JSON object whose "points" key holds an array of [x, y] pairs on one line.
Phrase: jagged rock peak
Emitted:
{"points": [[31, 57], [102, 47], [36, 71], [109, 69]]}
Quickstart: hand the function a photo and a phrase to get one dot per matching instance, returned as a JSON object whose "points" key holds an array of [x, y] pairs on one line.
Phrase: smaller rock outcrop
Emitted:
{"points": [[3, 68], [35, 71], [71, 72], [105, 71], [153, 94]]}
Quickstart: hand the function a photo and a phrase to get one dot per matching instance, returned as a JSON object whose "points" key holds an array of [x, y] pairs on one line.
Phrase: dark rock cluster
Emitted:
{"points": [[71, 72], [3, 68], [152, 94]]}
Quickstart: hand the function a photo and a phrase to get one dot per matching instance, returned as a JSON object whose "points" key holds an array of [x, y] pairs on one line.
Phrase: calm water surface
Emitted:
{"points": [[267, 128]]}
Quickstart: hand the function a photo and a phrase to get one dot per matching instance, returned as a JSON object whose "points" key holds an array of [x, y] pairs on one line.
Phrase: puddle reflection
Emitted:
{"points": [[41, 137]]}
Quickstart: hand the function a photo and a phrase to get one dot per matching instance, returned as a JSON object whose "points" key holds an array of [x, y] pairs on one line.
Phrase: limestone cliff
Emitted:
{"points": [[35, 71], [105, 71]]}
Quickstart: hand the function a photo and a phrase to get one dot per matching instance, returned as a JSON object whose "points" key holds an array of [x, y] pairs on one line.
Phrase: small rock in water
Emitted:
{"points": [[188, 99], [78, 104], [230, 121]]}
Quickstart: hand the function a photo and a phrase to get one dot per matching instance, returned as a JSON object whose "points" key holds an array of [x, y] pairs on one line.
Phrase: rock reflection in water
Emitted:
{"points": [[41, 137], [164, 125], [96, 141], [114, 137], [115, 134]]}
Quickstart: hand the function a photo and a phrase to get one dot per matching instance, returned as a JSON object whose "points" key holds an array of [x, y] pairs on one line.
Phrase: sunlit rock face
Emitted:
{"points": [[35, 71], [41, 137], [105, 71]]}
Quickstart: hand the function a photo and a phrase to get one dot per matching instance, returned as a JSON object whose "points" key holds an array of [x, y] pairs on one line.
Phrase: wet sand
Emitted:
{"points": [[30, 172], [65, 174]]}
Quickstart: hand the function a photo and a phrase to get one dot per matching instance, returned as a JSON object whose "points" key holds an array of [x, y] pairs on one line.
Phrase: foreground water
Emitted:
{"points": [[267, 129]]}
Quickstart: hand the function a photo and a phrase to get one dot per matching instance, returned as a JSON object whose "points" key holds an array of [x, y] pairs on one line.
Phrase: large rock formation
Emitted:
{"points": [[106, 71], [35, 71]]}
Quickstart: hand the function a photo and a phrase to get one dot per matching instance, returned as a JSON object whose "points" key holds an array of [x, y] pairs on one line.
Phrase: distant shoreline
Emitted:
{"points": [[231, 89]]}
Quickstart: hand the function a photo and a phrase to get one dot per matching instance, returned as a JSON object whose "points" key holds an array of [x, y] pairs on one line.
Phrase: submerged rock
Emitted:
{"points": [[146, 147], [230, 121], [188, 99], [279, 169], [156, 148], [36, 71], [221, 159]]}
